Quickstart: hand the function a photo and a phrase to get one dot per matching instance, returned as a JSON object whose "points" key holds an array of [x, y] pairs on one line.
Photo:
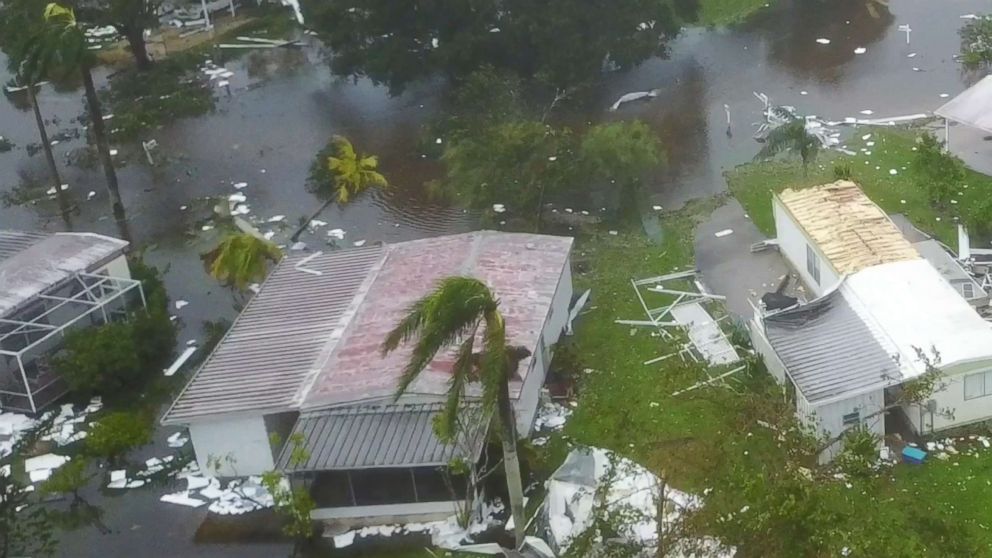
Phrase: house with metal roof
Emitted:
{"points": [[51, 284], [303, 362], [882, 315]]}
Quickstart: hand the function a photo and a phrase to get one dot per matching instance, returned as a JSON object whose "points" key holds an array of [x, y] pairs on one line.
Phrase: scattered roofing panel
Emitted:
{"points": [[973, 107], [828, 349], [917, 309], [31, 263], [522, 269], [373, 436], [952, 272], [280, 337], [851, 231]]}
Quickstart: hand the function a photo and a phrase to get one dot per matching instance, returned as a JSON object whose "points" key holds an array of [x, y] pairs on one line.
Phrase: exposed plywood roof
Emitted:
{"points": [[849, 229], [31, 263]]}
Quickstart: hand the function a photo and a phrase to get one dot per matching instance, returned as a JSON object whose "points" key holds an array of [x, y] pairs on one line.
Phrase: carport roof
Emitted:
{"points": [[972, 108], [378, 436], [828, 349]]}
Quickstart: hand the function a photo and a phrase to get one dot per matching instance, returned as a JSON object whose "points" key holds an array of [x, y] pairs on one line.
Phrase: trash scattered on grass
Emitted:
{"points": [[551, 416], [499, 208], [893, 171]]}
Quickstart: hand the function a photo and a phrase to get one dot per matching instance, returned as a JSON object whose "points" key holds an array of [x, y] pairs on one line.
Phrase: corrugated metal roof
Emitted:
{"points": [[31, 262], [375, 436], [973, 107], [281, 337], [15, 242], [828, 349], [851, 231]]}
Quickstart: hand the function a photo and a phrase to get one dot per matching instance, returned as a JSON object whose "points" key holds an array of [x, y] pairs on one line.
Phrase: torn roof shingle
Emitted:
{"points": [[852, 232], [828, 349], [308, 341], [31, 262]]}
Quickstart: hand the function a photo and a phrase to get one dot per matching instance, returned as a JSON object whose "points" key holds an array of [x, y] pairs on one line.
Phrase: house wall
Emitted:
{"points": [[116, 268], [951, 398], [828, 418], [760, 343], [792, 242], [244, 440], [526, 405]]}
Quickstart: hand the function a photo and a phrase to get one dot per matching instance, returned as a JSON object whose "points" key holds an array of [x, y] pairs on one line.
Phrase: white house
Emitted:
{"points": [[51, 284], [882, 313], [304, 359]]}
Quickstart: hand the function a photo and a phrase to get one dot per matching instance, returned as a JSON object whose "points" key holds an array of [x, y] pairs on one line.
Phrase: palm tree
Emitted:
{"points": [[241, 259], [792, 136], [27, 77], [61, 46], [453, 313], [352, 173]]}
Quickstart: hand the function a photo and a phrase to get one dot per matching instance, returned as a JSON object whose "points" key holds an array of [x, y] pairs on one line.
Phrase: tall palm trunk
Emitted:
{"points": [[139, 49], [46, 146], [102, 147], [306, 223], [511, 462]]}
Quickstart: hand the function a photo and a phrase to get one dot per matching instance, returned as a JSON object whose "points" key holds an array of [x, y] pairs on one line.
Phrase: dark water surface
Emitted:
{"points": [[284, 106]]}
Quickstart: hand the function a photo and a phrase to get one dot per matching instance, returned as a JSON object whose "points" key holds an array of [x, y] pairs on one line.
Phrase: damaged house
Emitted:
{"points": [[51, 284], [882, 313], [303, 362]]}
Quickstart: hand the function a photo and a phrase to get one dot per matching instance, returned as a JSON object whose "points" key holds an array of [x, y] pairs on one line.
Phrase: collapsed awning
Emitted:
{"points": [[380, 436], [972, 108]]}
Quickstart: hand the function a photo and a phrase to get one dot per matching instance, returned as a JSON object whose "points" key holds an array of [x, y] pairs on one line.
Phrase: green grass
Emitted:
{"points": [[753, 184], [726, 12]]}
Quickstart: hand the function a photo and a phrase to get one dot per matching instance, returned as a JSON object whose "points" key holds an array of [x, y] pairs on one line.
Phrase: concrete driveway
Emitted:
{"points": [[726, 265]]}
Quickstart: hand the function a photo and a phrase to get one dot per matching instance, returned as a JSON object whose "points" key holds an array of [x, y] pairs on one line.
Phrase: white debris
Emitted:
{"points": [[723, 233], [317, 223], [180, 361], [238, 198], [344, 539], [438, 141], [277, 218], [240, 185], [180, 304], [860, 50], [866, 137], [359, 243], [47, 461], [297, 246], [867, 112], [177, 440], [499, 208], [40, 475], [268, 235], [182, 498], [336, 234], [242, 497], [633, 97], [91, 194], [12, 427], [893, 171], [613, 233], [911, 55], [804, 92], [196, 482], [551, 416], [823, 41], [944, 95], [206, 228]]}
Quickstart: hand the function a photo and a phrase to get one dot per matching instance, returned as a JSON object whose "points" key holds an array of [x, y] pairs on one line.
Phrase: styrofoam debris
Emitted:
{"points": [[47, 461], [182, 498], [359, 243], [180, 304], [944, 95], [860, 50], [240, 185], [344, 539], [551, 416], [499, 208], [823, 41], [893, 171], [723, 233], [135, 484], [317, 223], [177, 440], [277, 218], [91, 194], [239, 198], [336, 234], [868, 112]]}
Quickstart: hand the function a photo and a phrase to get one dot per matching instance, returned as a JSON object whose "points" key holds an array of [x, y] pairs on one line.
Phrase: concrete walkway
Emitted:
{"points": [[726, 264]]}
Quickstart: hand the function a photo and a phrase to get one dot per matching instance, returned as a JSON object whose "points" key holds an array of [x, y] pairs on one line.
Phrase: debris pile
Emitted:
{"points": [[446, 534]]}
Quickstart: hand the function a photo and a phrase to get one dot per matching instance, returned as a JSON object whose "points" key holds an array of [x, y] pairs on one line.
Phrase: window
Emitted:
{"points": [[852, 419], [813, 263], [978, 385]]}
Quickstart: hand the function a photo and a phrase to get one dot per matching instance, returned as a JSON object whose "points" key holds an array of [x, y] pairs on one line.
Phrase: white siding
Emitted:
{"points": [[559, 307], [829, 417], [117, 268], [792, 242], [760, 342], [951, 398], [244, 440]]}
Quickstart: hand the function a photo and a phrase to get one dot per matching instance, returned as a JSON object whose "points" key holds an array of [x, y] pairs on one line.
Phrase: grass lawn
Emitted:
{"points": [[753, 184], [725, 12]]}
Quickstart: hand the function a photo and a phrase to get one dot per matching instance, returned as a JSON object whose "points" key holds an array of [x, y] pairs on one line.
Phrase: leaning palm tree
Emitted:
{"points": [[60, 45], [29, 77], [352, 173], [452, 314], [241, 259], [792, 136]]}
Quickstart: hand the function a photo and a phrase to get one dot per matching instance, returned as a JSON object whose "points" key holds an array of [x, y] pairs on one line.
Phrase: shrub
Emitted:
{"points": [[102, 360], [843, 172], [978, 217], [118, 433], [937, 172], [976, 42]]}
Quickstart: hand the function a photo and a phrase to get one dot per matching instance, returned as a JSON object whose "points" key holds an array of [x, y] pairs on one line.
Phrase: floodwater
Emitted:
{"points": [[285, 105]]}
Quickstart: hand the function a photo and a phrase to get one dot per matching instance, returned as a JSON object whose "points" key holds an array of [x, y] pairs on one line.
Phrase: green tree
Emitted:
{"points": [[976, 42], [68, 479], [347, 171], [103, 360], [25, 529], [935, 171], [619, 153], [117, 433], [60, 46], [294, 504], [792, 136], [453, 313], [241, 259]]}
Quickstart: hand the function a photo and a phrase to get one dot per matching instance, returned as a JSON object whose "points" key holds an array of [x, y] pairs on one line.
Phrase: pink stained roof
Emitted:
{"points": [[522, 269]]}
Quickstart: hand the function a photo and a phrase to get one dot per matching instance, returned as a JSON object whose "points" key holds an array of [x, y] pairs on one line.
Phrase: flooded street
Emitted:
{"points": [[284, 106]]}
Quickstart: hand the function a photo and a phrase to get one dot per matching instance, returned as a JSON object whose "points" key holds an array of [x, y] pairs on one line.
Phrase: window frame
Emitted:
{"points": [[812, 263], [851, 419], [986, 390]]}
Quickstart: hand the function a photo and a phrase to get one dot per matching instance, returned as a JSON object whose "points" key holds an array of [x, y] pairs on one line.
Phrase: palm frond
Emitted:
{"points": [[460, 374], [494, 358]]}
